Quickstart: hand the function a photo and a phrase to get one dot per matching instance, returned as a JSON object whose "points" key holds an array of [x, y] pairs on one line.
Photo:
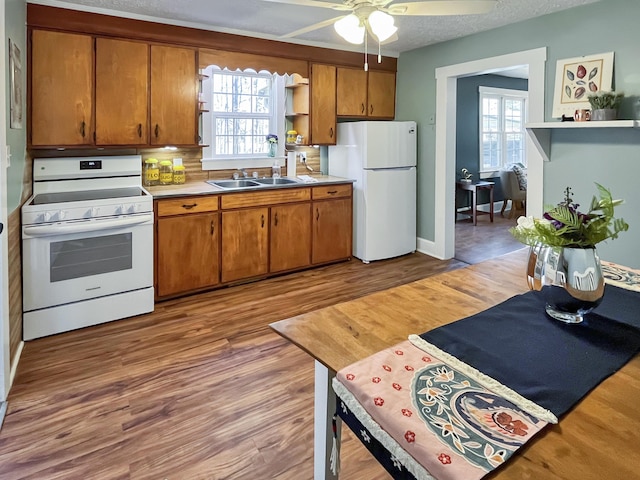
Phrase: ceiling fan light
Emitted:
{"points": [[381, 24], [350, 29]]}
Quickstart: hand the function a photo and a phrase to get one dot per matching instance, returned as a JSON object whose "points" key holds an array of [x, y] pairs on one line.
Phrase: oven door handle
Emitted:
{"points": [[85, 226]]}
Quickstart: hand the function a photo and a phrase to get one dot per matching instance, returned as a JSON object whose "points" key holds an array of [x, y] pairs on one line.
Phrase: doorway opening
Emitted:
{"points": [[491, 114], [446, 103]]}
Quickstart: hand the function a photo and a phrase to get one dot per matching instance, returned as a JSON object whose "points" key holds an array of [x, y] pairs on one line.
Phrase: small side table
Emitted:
{"points": [[473, 187]]}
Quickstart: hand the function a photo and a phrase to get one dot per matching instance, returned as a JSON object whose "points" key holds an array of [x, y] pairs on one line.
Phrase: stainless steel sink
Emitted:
{"points": [[234, 183], [275, 181]]}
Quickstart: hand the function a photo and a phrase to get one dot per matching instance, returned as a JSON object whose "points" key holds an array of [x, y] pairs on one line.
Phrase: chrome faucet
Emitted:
{"points": [[236, 175]]}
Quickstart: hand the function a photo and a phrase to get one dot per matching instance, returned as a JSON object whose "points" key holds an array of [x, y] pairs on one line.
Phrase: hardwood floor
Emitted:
{"points": [[199, 389], [486, 240]]}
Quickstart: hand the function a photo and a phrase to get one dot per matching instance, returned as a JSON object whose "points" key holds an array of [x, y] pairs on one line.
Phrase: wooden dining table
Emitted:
{"points": [[599, 438]]}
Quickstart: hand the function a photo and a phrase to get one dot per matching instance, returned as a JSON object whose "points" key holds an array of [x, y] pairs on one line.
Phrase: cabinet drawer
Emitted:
{"points": [[270, 197], [332, 191], [185, 205]]}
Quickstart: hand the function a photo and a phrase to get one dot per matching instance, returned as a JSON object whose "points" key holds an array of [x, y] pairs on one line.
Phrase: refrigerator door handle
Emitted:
{"points": [[390, 168]]}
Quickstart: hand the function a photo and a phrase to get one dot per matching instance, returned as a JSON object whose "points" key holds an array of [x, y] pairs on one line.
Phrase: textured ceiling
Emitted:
{"points": [[267, 19]]}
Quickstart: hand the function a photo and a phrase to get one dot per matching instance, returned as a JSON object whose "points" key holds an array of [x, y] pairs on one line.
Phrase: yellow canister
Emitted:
{"points": [[291, 136], [151, 172], [166, 172], [179, 174]]}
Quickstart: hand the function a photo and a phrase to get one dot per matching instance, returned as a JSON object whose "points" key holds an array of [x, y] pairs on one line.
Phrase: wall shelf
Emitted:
{"points": [[540, 133]]}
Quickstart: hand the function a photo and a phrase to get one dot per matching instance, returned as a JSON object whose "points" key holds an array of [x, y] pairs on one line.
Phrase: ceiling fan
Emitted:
{"points": [[376, 16]]}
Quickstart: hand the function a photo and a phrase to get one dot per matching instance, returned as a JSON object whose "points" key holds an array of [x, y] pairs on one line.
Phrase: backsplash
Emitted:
{"points": [[191, 160]]}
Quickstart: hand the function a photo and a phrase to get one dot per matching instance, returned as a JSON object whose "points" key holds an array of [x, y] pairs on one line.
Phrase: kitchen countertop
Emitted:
{"points": [[204, 188]]}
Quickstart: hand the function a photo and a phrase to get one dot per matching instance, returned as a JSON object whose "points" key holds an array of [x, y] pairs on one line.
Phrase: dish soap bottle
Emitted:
{"points": [[276, 170]]}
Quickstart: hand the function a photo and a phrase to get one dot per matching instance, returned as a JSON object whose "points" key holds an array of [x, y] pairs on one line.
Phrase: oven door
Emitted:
{"points": [[73, 261]]}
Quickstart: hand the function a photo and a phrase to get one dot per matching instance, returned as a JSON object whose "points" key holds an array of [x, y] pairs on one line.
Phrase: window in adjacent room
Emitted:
{"points": [[244, 107], [502, 134]]}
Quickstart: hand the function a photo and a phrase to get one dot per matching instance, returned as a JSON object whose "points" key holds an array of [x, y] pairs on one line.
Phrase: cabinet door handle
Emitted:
{"points": [[213, 229], [362, 109], [370, 109], [82, 128], [332, 192], [157, 130], [140, 130], [317, 214], [331, 132], [190, 206], [276, 219], [262, 221]]}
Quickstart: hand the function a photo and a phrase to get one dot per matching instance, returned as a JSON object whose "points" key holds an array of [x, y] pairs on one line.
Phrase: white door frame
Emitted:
{"points": [[4, 251], [445, 174]]}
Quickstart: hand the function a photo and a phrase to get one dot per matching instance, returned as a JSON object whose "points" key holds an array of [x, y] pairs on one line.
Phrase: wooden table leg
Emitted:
{"points": [[324, 408], [474, 196], [491, 203]]}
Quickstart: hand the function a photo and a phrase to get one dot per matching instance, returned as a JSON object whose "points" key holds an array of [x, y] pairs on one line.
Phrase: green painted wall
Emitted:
{"points": [[15, 20], [578, 158]]}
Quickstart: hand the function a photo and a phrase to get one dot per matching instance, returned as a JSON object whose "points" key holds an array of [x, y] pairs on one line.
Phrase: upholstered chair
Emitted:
{"points": [[513, 179]]}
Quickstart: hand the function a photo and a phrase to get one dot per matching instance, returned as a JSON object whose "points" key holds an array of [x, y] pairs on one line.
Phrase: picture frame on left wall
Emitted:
{"points": [[15, 87]]}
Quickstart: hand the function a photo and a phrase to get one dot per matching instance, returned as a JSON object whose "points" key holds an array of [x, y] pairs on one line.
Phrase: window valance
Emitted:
{"points": [[242, 61]]}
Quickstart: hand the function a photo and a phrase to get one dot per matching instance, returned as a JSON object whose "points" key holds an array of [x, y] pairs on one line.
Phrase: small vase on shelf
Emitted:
{"points": [[604, 114], [272, 149]]}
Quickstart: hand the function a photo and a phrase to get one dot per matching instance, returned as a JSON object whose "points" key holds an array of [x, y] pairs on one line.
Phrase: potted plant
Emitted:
{"points": [[563, 262], [604, 105]]}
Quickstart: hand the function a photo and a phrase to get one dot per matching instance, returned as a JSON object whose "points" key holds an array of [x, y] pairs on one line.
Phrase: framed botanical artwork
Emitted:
{"points": [[15, 87], [577, 78]]}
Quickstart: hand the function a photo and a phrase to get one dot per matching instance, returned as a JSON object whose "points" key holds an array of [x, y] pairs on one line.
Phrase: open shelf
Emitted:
{"points": [[540, 133], [607, 124]]}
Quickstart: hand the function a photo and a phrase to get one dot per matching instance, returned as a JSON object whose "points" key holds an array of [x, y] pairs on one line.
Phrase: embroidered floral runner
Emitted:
{"points": [[456, 402]]}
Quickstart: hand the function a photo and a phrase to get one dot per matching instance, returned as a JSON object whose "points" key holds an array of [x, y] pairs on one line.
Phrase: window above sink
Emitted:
{"points": [[244, 106]]}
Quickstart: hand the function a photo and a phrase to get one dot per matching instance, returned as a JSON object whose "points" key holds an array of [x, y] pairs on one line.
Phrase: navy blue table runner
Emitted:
{"points": [[546, 361]]}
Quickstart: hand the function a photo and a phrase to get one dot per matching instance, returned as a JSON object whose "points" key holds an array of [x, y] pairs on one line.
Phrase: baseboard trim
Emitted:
{"points": [[428, 247], [484, 207], [3, 412], [14, 364]]}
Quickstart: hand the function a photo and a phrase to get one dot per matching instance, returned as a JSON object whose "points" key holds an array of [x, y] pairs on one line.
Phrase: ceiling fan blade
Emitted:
{"points": [[312, 3], [443, 7], [313, 27]]}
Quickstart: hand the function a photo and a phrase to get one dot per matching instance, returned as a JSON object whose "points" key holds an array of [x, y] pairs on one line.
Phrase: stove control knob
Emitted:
{"points": [[121, 209], [135, 208], [46, 216], [93, 212], [62, 214]]}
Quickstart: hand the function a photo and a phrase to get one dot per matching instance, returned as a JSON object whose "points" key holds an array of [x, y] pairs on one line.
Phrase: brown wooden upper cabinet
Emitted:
{"points": [[365, 94], [173, 96], [61, 89], [323, 104], [63, 94], [122, 92], [381, 91]]}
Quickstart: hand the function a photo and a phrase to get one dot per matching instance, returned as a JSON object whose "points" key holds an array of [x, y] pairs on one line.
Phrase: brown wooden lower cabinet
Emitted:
{"points": [[332, 230], [245, 240], [203, 243], [290, 237], [187, 253]]}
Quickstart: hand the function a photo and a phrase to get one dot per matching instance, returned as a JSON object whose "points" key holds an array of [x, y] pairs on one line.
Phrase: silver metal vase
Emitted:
{"points": [[570, 280]]}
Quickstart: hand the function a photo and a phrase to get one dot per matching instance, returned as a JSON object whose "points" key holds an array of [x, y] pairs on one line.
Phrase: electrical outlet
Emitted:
{"points": [[303, 157]]}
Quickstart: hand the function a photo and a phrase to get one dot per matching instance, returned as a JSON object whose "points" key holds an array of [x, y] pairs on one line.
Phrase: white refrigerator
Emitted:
{"points": [[381, 157]]}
